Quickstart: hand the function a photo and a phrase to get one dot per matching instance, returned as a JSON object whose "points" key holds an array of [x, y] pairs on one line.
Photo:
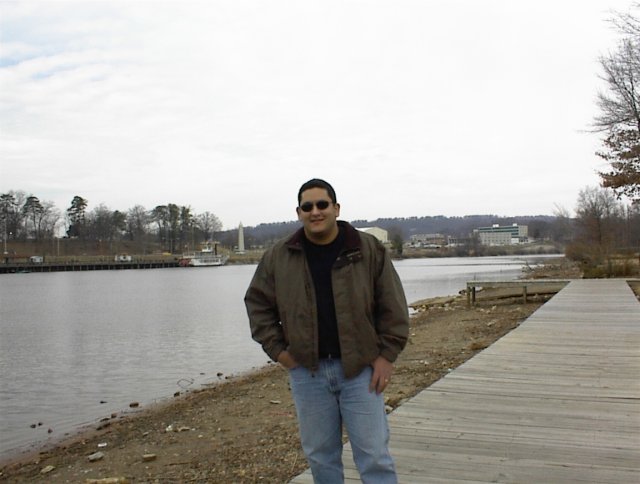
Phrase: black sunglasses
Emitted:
{"points": [[308, 206]]}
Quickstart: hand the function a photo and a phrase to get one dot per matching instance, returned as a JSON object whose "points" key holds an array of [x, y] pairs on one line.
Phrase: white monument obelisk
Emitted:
{"points": [[240, 239]]}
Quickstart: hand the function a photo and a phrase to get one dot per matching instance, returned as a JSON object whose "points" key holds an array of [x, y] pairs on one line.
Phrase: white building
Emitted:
{"points": [[503, 235], [381, 234]]}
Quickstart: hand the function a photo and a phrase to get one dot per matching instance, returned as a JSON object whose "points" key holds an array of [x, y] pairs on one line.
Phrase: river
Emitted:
{"points": [[77, 346]]}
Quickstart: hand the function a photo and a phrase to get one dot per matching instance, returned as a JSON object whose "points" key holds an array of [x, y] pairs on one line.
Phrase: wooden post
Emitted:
{"points": [[471, 294]]}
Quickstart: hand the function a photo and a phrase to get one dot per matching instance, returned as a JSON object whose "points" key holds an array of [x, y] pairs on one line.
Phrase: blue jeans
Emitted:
{"points": [[324, 401]]}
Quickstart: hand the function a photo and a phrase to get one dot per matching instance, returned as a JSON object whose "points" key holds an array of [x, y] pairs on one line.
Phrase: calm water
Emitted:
{"points": [[75, 347]]}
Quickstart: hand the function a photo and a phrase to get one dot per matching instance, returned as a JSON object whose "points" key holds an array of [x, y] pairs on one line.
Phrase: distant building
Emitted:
{"points": [[381, 234], [454, 241], [503, 235], [434, 241]]}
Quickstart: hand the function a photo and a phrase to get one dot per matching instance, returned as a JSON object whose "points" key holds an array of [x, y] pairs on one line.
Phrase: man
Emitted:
{"points": [[327, 304]]}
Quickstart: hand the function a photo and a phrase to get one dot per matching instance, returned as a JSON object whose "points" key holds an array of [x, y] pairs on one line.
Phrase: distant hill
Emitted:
{"points": [[540, 227], [456, 226]]}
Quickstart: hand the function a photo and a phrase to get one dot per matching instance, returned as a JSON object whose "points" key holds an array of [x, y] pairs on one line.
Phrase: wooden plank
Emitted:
{"points": [[627, 411], [505, 469], [514, 446], [556, 400]]}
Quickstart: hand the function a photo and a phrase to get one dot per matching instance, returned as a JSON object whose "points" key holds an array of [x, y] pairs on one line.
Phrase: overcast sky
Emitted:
{"points": [[409, 108]]}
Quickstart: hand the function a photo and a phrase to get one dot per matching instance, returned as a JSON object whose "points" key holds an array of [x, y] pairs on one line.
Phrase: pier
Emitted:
{"points": [[85, 265], [556, 400]]}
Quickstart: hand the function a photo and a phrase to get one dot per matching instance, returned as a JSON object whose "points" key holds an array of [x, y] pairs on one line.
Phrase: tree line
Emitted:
{"points": [[603, 224], [600, 219], [170, 227], [604, 230]]}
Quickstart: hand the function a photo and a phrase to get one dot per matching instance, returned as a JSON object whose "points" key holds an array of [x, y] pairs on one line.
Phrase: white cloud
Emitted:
{"points": [[409, 107]]}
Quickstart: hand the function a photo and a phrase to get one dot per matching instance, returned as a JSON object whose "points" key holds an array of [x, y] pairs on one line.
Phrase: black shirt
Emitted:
{"points": [[321, 259]]}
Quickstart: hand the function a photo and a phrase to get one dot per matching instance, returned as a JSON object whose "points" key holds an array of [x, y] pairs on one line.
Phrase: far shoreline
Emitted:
{"points": [[14, 264]]}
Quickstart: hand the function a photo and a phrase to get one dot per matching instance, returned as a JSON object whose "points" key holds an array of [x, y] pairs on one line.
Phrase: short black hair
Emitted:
{"points": [[317, 183]]}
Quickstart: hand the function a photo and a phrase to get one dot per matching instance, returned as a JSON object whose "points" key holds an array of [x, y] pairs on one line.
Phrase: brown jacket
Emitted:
{"points": [[371, 308]]}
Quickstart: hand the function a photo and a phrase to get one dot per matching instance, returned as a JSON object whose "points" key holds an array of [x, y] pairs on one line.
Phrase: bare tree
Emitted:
{"points": [[620, 105], [562, 227], [619, 110], [49, 220], [627, 23], [208, 224], [138, 222], [597, 215]]}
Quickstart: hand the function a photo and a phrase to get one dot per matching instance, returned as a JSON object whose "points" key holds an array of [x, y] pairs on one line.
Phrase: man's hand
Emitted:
{"points": [[286, 360], [382, 370]]}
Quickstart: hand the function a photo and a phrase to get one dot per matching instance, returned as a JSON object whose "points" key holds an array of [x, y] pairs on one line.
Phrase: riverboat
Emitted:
{"points": [[205, 257]]}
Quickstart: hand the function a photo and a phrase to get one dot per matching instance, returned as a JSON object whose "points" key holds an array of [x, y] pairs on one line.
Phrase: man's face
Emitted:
{"points": [[319, 223]]}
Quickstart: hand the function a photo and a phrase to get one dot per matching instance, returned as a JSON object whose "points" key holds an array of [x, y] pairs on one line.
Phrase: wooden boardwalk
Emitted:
{"points": [[556, 400]]}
